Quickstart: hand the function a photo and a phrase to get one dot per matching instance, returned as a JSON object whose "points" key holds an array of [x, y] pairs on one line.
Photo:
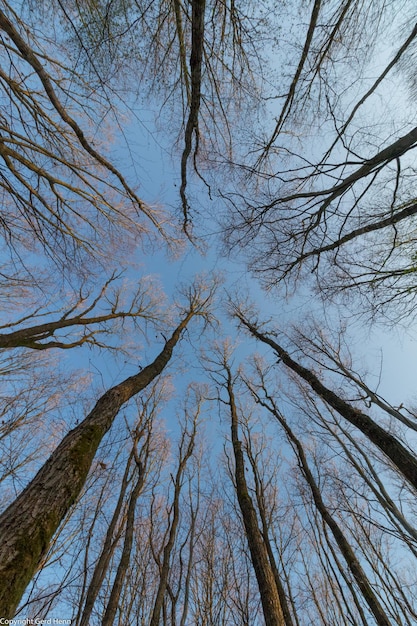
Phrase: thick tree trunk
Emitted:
{"points": [[27, 526], [270, 600]]}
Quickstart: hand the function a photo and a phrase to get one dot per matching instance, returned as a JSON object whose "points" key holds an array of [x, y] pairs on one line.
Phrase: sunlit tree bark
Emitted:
{"points": [[28, 525]]}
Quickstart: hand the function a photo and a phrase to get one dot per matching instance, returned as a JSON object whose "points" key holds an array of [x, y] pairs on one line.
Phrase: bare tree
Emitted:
{"points": [[352, 561], [123, 517], [266, 509], [340, 206], [26, 537], [276, 112], [186, 448], [402, 458], [270, 596], [56, 182], [140, 459], [198, 63], [143, 304]]}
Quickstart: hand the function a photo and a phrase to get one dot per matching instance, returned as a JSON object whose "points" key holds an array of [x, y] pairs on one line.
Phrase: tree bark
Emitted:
{"points": [[345, 548], [403, 460], [29, 523], [270, 600]]}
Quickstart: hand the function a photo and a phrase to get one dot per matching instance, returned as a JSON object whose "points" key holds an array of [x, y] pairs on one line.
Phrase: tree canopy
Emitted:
{"points": [[198, 202]]}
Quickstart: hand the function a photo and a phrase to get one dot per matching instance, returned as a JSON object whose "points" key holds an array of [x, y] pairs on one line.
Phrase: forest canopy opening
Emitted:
{"points": [[169, 453]]}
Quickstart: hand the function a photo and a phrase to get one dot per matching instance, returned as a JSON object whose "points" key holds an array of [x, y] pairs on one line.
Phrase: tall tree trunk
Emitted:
{"points": [[107, 551], [345, 548], [260, 499], [404, 460], [169, 546], [29, 523], [270, 600], [109, 616], [196, 63]]}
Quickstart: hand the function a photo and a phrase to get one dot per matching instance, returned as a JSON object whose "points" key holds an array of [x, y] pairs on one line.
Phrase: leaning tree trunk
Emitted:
{"points": [[29, 523], [404, 461], [353, 563]]}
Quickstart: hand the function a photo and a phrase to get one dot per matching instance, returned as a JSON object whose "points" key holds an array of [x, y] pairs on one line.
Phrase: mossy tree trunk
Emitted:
{"points": [[29, 523]]}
